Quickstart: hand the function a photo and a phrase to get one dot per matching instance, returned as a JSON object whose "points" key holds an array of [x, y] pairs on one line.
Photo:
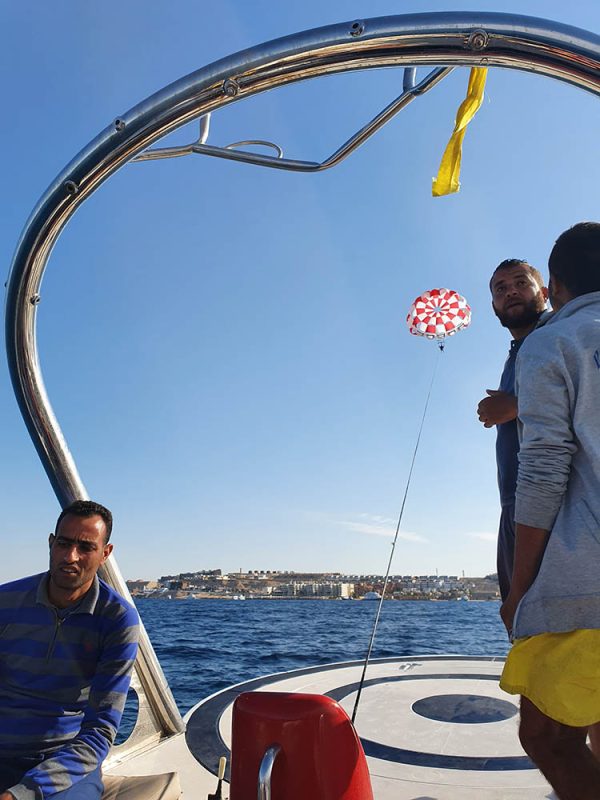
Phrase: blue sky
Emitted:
{"points": [[225, 347]]}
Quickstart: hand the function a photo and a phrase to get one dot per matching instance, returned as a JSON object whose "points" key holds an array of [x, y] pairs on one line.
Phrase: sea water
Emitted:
{"points": [[205, 645]]}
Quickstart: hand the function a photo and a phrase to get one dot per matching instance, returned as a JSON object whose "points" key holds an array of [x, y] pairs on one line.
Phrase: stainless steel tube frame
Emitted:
{"points": [[436, 39], [265, 771]]}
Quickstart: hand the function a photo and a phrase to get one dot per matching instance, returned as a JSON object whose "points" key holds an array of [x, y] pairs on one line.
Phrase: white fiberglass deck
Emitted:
{"points": [[433, 728]]}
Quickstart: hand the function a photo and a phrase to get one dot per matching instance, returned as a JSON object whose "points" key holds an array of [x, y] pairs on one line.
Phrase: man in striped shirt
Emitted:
{"points": [[67, 647]]}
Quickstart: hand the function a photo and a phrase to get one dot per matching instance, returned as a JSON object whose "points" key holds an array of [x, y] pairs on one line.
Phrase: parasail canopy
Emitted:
{"points": [[438, 313]]}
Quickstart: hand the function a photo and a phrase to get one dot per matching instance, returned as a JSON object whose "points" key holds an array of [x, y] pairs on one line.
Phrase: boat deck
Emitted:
{"points": [[433, 728]]}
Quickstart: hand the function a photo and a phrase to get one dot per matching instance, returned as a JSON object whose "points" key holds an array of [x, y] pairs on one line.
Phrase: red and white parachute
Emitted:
{"points": [[438, 313]]}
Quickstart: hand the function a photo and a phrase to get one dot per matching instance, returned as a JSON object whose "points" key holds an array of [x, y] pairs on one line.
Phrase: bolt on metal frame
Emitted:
{"points": [[439, 40]]}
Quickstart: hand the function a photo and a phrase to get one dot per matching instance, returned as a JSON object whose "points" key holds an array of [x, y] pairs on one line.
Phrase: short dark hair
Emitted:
{"points": [[575, 258], [87, 508], [518, 262]]}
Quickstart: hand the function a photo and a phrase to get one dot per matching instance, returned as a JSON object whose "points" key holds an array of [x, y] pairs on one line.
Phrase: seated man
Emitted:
{"points": [[67, 647]]}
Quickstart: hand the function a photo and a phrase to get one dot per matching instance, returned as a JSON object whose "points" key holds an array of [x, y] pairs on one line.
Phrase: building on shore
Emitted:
{"points": [[273, 584]]}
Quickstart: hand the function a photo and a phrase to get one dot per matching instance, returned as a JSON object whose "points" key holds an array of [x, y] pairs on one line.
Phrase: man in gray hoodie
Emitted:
{"points": [[552, 612]]}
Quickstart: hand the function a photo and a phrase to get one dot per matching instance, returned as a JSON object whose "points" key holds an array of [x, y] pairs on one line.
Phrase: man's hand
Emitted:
{"points": [[530, 545], [7, 796], [497, 408], [508, 610]]}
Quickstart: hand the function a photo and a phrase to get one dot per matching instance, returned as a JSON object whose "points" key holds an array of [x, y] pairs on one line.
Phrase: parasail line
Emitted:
{"points": [[389, 566]]}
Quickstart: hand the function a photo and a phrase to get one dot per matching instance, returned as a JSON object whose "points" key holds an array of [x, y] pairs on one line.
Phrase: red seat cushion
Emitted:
{"points": [[321, 756]]}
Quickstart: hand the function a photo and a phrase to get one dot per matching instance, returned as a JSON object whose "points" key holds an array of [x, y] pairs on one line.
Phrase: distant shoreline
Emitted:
{"points": [[329, 599]]}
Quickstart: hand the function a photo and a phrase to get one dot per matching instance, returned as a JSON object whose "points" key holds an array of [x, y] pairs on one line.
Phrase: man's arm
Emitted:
{"points": [[108, 693], [497, 408], [545, 455], [547, 438], [530, 544]]}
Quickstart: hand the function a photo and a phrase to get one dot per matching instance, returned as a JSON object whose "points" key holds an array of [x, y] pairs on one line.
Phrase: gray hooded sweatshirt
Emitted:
{"points": [[558, 487]]}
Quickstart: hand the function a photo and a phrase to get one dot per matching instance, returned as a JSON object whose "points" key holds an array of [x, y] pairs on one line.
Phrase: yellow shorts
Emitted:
{"points": [[559, 673]]}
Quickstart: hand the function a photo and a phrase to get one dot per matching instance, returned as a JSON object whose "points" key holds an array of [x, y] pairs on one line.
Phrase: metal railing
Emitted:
{"points": [[265, 772]]}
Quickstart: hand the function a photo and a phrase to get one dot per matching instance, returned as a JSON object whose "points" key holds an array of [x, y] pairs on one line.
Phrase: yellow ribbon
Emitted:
{"points": [[447, 180]]}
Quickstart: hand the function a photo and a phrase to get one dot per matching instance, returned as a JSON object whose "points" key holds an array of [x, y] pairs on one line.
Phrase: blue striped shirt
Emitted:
{"points": [[64, 676]]}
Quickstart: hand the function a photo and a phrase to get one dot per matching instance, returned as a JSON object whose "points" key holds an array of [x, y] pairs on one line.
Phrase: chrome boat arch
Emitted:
{"points": [[440, 40]]}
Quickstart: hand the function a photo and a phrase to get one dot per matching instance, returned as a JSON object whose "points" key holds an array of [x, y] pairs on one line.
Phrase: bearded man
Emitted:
{"points": [[518, 300]]}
